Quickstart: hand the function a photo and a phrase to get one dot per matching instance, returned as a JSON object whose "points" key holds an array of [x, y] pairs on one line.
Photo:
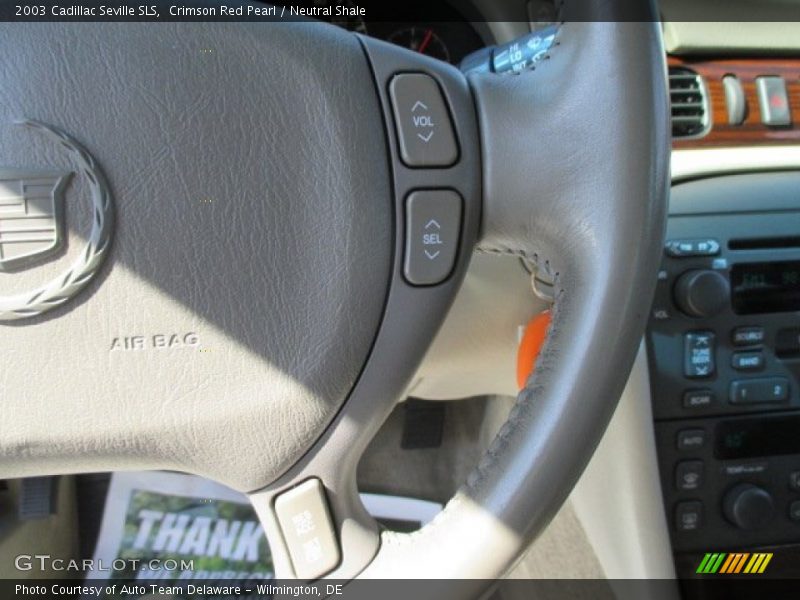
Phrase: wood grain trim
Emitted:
{"points": [[751, 132]]}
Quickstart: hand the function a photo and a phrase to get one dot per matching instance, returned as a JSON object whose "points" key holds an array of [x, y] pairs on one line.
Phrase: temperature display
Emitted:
{"points": [[751, 438]]}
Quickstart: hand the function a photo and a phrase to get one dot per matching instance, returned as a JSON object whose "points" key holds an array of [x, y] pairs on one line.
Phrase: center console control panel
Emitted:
{"points": [[723, 345]]}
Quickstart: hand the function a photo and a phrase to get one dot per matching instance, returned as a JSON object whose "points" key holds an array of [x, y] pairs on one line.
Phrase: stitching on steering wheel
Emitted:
{"points": [[524, 399]]}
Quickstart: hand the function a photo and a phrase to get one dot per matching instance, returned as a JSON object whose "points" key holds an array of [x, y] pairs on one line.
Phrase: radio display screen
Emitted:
{"points": [[751, 438], [765, 287]]}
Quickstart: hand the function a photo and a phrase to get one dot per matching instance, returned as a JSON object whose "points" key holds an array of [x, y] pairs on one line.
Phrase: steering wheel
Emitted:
{"points": [[272, 281]]}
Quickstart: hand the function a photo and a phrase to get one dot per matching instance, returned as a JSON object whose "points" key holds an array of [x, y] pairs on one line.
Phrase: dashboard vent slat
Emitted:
{"points": [[689, 103]]}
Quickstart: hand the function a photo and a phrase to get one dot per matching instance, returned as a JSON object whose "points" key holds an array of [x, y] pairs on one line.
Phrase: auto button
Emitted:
{"points": [[433, 223], [424, 131]]}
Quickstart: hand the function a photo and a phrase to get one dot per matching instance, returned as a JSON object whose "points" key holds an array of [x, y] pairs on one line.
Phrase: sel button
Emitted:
{"points": [[433, 221], [424, 130]]}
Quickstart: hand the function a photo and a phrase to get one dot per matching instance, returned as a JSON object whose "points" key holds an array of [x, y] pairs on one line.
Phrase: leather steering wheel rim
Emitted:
{"points": [[565, 165], [594, 222], [598, 315]]}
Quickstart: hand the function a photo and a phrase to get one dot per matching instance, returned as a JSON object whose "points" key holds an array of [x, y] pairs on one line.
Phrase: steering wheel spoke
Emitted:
{"points": [[436, 200]]}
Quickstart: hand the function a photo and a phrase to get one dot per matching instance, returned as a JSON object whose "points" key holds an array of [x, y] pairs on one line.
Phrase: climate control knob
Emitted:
{"points": [[702, 293], [748, 506]]}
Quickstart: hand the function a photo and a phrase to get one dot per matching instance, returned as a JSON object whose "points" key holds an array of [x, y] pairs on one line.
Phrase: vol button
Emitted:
{"points": [[424, 130]]}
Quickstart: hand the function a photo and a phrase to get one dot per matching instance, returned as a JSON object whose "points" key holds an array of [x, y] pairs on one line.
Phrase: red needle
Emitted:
{"points": [[425, 41]]}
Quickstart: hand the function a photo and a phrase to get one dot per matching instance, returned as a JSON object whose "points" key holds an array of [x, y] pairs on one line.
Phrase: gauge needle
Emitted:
{"points": [[425, 41]]}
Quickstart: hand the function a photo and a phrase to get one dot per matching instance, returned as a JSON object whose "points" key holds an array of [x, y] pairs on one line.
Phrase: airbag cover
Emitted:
{"points": [[251, 253]]}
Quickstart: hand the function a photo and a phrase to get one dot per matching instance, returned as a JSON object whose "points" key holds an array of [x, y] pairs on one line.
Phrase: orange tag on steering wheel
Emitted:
{"points": [[531, 344]]}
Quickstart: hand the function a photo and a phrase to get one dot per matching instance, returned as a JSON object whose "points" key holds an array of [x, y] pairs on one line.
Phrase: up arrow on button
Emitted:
{"points": [[419, 104], [433, 223]]}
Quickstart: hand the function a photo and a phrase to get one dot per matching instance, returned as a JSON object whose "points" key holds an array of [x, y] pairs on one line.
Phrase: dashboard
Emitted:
{"points": [[731, 101], [722, 342], [724, 355]]}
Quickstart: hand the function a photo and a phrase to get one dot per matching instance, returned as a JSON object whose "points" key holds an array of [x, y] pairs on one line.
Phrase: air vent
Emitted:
{"points": [[687, 94]]}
